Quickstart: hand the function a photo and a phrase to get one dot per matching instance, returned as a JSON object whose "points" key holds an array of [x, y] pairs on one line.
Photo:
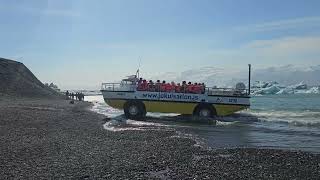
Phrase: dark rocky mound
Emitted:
{"points": [[17, 80]]}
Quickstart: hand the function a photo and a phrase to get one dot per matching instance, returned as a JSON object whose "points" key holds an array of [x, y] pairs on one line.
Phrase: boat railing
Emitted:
{"points": [[211, 91], [118, 87]]}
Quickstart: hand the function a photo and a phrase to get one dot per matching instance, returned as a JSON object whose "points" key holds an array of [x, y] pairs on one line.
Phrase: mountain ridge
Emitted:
{"points": [[17, 80]]}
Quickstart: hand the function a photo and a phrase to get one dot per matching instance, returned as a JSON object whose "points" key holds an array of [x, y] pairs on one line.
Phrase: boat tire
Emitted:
{"points": [[134, 110], [204, 111]]}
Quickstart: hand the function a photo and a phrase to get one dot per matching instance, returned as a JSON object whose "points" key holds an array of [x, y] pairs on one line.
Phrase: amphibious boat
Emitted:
{"points": [[210, 102]]}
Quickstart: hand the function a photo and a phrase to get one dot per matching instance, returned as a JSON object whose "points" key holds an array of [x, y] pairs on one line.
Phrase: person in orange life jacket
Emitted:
{"points": [[144, 85], [203, 88], [196, 88], [157, 86], [151, 86], [163, 86], [168, 87], [192, 88], [139, 88], [184, 87], [173, 87], [189, 88], [178, 88]]}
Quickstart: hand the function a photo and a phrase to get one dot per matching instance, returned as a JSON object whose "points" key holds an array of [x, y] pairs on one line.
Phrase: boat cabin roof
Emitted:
{"points": [[132, 78]]}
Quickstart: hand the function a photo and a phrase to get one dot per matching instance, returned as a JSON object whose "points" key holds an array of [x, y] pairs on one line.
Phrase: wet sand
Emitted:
{"points": [[42, 139]]}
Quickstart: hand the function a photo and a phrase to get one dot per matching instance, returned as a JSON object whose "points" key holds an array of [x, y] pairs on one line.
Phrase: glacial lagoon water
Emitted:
{"points": [[273, 121]]}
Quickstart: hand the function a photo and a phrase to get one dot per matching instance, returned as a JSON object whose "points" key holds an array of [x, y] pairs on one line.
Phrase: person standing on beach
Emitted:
{"points": [[72, 96], [67, 94], [77, 96], [82, 96]]}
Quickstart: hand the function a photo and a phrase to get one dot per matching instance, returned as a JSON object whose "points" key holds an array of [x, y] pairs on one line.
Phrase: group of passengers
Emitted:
{"points": [[184, 87]]}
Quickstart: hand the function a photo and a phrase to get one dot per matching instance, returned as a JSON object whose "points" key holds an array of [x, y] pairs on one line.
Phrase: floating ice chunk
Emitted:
{"points": [[286, 91], [299, 86], [313, 90], [290, 90], [262, 84], [269, 90]]}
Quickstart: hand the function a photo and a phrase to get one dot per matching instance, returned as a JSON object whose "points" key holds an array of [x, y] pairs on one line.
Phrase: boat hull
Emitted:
{"points": [[170, 106]]}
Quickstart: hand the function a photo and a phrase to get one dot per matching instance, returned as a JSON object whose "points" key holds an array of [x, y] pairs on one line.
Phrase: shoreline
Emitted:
{"points": [[54, 139]]}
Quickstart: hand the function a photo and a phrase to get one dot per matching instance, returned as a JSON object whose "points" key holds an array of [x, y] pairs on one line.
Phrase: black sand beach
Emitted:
{"points": [[44, 139]]}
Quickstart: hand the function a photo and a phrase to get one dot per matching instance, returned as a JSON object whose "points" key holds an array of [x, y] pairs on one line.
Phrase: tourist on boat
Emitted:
{"points": [[173, 87], [168, 87], [157, 86], [192, 88], [203, 88], [197, 88], [151, 86], [184, 86], [189, 87], [163, 86], [144, 85], [178, 88], [139, 84]]}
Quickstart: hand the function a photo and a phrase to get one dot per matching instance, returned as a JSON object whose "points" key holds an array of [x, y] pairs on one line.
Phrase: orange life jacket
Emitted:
{"points": [[168, 87], [189, 89], [197, 89], [178, 89], [144, 86], [163, 87]]}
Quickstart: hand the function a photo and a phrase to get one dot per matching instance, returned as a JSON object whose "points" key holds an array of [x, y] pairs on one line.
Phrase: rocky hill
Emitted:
{"points": [[17, 80]]}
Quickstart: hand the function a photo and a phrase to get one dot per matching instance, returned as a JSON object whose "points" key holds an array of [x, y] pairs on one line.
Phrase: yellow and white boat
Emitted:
{"points": [[213, 102]]}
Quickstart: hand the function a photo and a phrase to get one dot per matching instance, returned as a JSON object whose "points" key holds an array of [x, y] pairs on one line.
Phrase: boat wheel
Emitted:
{"points": [[134, 110], [204, 111]]}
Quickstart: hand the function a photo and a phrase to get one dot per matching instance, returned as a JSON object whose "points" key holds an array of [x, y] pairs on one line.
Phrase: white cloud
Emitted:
{"points": [[282, 24], [286, 50], [287, 46]]}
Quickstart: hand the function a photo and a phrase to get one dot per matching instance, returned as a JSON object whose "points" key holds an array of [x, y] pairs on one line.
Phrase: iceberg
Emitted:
{"points": [[289, 90], [313, 90], [274, 89], [286, 91], [262, 84], [299, 86]]}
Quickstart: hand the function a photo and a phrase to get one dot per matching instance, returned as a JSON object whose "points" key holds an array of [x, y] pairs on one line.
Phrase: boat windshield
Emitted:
{"points": [[127, 82]]}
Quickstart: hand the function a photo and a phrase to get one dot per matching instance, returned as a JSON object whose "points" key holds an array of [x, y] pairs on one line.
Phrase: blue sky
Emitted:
{"points": [[82, 43]]}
